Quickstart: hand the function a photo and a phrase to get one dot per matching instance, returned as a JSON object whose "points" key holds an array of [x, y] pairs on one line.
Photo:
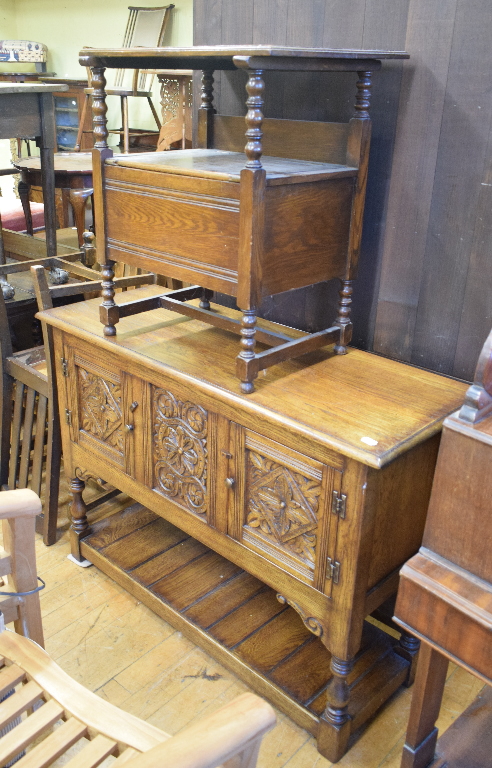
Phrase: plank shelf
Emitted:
{"points": [[236, 618]]}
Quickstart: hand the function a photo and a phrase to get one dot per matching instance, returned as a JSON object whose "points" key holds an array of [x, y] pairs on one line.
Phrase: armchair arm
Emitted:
{"points": [[19, 503], [233, 730]]}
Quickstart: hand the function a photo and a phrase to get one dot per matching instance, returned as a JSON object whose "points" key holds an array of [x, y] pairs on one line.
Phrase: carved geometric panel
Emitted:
{"points": [[100, 409], [180, 450], [282, 507]]}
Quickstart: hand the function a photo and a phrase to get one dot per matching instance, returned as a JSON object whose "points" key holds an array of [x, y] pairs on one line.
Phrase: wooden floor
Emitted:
{"points": [[117, 647]]}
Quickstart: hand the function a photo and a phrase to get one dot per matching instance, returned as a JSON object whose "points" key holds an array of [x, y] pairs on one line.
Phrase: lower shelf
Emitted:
{"points": [[237, 619]]}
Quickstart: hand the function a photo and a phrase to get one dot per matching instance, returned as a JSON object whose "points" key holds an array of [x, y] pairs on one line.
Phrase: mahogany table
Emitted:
{"points": [[73, 176], [268, 525], [445, 595], [285, 214]]}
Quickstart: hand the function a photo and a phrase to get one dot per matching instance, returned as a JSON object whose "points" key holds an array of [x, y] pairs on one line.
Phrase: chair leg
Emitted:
{"points": [[156, 116], [19, 542], [53, 469], [80, 132], [126, 129]]}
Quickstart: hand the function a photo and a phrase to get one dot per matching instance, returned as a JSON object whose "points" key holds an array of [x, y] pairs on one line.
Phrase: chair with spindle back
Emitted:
{"points": [[46, 713], [146, 28], [33, 426]]}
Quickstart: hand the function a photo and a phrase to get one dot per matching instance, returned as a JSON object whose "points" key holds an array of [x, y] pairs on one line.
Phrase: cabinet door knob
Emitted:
{"points": [[129, 427], [230, 482]]}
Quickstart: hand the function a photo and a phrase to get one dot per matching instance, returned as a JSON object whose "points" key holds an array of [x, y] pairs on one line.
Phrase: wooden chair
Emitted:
{"points": [[146, 28], [46, 713], [33, 426], [18, 511]]}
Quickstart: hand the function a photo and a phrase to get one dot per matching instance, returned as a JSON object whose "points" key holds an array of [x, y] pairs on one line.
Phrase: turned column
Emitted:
{"points": [[358, 156], [206, 111], [108, 311], [251, 220], [78, 513], [334, 725]]}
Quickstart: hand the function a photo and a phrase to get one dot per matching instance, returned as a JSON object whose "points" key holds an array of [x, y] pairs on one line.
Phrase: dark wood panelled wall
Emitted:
{"points": [[424, 292]]}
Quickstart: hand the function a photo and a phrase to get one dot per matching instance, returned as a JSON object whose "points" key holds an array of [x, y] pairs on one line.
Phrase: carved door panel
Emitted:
{"points": [[184, 437], [282, 506], [100, 401]]}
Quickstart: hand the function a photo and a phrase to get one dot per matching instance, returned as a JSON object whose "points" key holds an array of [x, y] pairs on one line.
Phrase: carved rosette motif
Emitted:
{"points": [[282, 506], [180, 451], [100, 409]]}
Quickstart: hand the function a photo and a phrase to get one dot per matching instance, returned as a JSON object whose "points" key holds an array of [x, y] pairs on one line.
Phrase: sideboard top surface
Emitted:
{"points": [[347, 403], [222, 56]]}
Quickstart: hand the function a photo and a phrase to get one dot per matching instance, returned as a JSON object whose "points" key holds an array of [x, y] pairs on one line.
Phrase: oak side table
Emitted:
{"points": [[284, 214], [268, 526]]}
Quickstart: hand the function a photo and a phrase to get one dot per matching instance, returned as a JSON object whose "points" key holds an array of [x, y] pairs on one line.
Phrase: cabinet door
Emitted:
{"points": [[100, 397], [282, 506], [184, 440]]}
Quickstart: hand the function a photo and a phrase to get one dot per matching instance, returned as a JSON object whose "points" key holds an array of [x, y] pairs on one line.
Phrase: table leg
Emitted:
{"points": [[335, 723], [8, 290], [78, 200], [47, 149], [78, 512], [23, 188], [428, 688]]}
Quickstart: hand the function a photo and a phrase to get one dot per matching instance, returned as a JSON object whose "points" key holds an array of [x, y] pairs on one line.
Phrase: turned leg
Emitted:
{"points": [[421, 738], [78, 512], [334, 725], [408, 648], [108, 311], [343, 318], [246, 370], [205, 299]]}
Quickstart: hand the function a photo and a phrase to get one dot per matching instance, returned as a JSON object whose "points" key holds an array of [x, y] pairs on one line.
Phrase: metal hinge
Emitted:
{"points": [[64, 365], [338, 504], [68, 417], [333, 570]]}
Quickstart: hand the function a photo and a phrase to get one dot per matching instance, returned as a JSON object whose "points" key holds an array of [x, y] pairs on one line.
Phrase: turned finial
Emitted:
{"points": [[99, 108], [363, 95], [254, 119]]}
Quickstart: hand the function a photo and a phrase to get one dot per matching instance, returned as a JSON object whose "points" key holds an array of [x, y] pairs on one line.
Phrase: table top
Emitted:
{"points": [[228, 56], [31, 88], [65, 162], [226, 166], [362, 405]]}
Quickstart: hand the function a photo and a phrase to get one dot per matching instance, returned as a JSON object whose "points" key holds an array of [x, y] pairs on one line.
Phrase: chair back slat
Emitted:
{"points": [[27, 431], [16, 433], [39, 440], [145, 28]]}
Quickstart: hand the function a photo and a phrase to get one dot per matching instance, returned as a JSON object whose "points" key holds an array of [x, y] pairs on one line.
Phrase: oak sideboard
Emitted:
{"points": [[268, 526]]}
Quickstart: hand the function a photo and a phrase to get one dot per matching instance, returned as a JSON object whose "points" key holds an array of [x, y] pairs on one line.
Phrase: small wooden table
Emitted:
{"points": [[284, 213], [445, 595], [73, 176], [27, 111], [315, 485]]}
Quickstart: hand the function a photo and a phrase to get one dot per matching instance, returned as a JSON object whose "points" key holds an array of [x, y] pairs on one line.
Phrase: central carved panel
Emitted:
{"points": [[282, 507], [100, 408], [180, 450]]}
